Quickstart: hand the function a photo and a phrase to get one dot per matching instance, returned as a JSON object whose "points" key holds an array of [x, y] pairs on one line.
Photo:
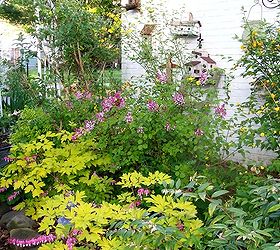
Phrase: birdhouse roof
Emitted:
{"points": [[194, 63], [208, 59]]}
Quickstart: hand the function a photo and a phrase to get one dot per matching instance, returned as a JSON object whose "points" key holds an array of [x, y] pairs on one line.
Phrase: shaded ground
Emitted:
{"points": [[4, 149], [4, 235]]}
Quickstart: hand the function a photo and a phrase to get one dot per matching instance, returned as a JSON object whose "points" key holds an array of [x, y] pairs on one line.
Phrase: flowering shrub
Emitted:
{"points": [[260, 59]]}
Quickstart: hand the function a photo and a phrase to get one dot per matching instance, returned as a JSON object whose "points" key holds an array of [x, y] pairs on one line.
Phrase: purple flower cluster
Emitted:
{"points": [[3, 189], [143, 191], [78, 133], [203, 78], [178, 99], [89, 125], [100, 117], [221, 110], [168, 127], [83, 95], [152, 106], [128, 117], [32, 242], [198, 132], [13, 195], [116, 100], [162, 77]]}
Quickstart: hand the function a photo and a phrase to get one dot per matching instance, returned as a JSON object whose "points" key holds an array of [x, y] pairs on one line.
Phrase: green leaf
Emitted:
{"points": [[178, 184], [219, 193], [211, 208], [237, 211], [202, 196], [274, 208]]}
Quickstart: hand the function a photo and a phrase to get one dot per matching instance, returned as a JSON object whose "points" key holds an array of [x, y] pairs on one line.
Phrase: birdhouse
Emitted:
{"points": [[190, 27], [133, 5], [201, 63]]}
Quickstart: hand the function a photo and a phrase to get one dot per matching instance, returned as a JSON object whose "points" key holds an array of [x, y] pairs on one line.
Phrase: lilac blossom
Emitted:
{"points": [[140, 130], [178, 99], [13, 196], [89, 125], [100, 117], [198, 132], [79, 95], [162, 77], [152, 106], [32, 242], [221, 110], [128, 117], [203, 78]]}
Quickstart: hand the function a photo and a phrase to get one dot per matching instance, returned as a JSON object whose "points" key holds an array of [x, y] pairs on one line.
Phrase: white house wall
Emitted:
{"points": [[221, 20]]}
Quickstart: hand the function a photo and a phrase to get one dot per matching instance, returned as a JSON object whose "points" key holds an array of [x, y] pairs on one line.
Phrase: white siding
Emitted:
{"points": [[221, 20]]}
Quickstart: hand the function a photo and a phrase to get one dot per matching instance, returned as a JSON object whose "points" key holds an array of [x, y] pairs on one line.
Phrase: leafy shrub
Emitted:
{"points": [[31, 123], [260, 59]]}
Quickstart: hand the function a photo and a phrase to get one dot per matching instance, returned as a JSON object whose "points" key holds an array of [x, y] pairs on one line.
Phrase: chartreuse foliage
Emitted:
{"points": [[54, 164], [157, 222]]}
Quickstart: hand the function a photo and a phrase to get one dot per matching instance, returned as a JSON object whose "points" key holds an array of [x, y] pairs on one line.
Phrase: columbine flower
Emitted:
{"points": [[203, 78], [152, 106], [221, 111], [100, 117], [13, 195], [140, 130], [32, 242], [128, 117], [89, 125], [162, 77], [178, 99], [198, 132], [63, 221]]}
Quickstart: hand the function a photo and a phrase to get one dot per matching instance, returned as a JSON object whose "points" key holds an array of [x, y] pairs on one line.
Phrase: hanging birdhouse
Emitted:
{"points": [[190, 28], [133, 5]]}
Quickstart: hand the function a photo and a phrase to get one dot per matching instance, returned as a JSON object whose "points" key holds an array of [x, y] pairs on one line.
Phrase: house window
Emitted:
{"points": [[211, 66], [196, 71], [190, 69], [204, 66]]}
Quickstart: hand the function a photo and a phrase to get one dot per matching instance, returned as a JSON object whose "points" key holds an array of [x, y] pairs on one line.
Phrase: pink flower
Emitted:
{"points": [[13, 195], [87, 95], [128, 117], [221, 111], [76, 232], [70, 242], [108, 103], [180, 226], [32, 242], [8, 159], [143, 191], [79, 95], [3, 189], [119, 101], [198, 132], [89, 125], [152, 106], [78, 133], [162, 77], [167, 126], [178, 99], [135, 204], [100, 117], [203, 78]]}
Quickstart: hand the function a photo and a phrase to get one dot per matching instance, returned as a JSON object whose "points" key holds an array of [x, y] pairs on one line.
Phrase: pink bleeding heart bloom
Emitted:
{"points": [[70, 242], [8, 159], [143, 191], [3, 189], [13, 196], [42, 239], [135, 204]]}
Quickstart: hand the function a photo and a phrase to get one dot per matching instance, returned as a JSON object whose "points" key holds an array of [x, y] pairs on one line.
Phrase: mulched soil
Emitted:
{"points": [[4, 235], [4, 140]]}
